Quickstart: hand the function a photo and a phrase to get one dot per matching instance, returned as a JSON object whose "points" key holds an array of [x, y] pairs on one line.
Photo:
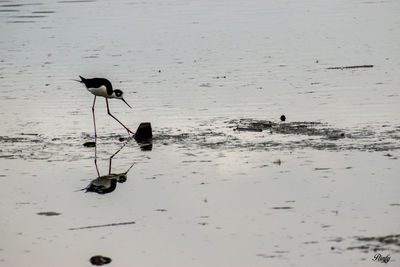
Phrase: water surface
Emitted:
{"points": [[226, 183]]}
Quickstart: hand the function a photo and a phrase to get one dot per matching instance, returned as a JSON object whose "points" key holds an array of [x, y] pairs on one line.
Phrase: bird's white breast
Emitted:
{"points": [[101, 91]]}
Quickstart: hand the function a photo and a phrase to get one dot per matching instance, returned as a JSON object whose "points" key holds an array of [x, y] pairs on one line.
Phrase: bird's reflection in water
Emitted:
{"points": [[107, 183]]}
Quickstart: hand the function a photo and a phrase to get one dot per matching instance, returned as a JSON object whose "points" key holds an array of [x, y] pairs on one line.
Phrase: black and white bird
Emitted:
{"points": [[103, 87]]}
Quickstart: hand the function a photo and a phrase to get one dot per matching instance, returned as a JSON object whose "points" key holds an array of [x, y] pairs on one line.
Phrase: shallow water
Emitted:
{"points": [[226, 183]]}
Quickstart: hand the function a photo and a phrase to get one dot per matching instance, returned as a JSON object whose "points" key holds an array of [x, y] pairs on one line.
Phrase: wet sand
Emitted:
{"points": [[224, 181]]}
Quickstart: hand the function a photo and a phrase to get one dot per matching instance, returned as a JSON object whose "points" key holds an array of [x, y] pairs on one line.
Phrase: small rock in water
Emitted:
{"points": [[99, 260], [89, 144], [283, 118], [143, 132]]}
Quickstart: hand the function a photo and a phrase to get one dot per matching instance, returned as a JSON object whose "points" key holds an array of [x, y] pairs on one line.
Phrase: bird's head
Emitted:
{"points": [[119, 95]]}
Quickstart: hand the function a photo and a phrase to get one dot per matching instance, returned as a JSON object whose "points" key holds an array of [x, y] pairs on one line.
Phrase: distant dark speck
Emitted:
{"points": [[283, 118]]}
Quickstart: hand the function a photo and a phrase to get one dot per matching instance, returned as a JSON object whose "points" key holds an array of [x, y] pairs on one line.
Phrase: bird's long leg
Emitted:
{"points": [[95, 138], [95, 161], [109, 113], [94, 119]]}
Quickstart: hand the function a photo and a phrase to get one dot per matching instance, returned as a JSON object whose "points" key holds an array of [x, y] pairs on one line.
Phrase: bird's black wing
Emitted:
{"points": [[96, 83]]}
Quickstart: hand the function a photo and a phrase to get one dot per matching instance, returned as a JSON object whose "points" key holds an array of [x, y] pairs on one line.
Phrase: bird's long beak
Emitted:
{"points": [[126, 102]]}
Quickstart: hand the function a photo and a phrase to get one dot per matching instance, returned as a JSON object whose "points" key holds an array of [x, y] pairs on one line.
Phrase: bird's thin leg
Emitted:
{"points": [[94, 118], [95, 138], [95, 161], [109, 113]]}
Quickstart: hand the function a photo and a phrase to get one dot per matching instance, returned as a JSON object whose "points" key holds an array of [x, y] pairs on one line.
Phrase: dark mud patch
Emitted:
{"points": [[252, 134], [292, 128], [242, 134], [321, 136], [367, 244], [375, 244]]}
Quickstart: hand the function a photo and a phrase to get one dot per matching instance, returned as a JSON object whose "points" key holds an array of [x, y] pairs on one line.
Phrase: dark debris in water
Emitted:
{"points": [[351, 67], [282, 208], [161, 210], [273, 254], [101, 225], [89, 144], [48, 213], [99, 260]]}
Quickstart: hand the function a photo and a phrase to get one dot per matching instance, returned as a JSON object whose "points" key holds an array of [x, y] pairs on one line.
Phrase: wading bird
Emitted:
{"points": [[102, 87]]}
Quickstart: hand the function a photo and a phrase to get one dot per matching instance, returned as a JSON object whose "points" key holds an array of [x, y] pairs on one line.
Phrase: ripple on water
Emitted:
{"points": [[76, 1], [8, 10]]}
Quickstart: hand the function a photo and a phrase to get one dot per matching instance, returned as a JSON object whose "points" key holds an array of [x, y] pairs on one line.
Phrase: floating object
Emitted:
{"points": [[282, 208], [144, 132], [350, 67], [48, 213], [101, 226], [283, 118], [102, 87], [99, 260], [89, 144]]}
